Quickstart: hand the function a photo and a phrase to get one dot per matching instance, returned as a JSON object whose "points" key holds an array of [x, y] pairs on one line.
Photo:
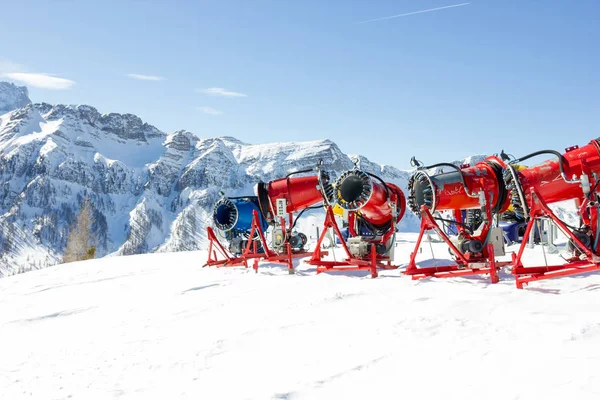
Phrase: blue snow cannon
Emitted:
{"points": [[234, 214]]}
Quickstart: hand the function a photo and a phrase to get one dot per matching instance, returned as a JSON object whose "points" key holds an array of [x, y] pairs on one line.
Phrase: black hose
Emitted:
{"points": [[593, 190], [456, 223], [560, 157], [462, 178], [387, 189], [502, 191], [299, 172], [300, 213]]}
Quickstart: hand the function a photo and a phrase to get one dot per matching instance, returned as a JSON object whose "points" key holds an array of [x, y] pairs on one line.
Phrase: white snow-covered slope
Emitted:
{"points": [[158, 326]]}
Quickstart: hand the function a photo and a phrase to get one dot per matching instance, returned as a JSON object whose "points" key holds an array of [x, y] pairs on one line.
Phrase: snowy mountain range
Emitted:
{"points": [[152, 191]]}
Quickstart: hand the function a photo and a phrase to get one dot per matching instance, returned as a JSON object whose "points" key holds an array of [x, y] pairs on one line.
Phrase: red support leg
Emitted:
{"points": [[213, 246], [251, 251], [485, 264], [524, 275], [492, 257], [373, 262], [370, 263]]}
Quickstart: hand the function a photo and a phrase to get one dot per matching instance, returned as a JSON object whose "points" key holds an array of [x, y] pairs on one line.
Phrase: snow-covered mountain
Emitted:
{"points": [[12, 97], [151, 191]]}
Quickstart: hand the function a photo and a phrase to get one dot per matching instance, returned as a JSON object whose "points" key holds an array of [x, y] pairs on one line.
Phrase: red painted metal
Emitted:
{"points": [[546, 178], [300, 193], [485, 190], [378, 210], [365, 200], [466, 264], [350, 263], [576, 265], [542, 185], [251, 252], [450, 192]]}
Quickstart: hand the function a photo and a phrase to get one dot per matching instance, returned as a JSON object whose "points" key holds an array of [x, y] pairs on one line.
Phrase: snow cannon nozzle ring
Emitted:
{"points": [[225, 214], [421, 191], [353, 189]]}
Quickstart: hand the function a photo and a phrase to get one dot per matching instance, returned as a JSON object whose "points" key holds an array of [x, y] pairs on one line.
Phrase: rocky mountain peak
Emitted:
{"points": [[181, 140], [12, 97]]}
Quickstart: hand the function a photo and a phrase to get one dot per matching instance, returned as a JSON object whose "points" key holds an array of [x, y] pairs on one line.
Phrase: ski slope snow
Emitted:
{"points": [[159, 326]]}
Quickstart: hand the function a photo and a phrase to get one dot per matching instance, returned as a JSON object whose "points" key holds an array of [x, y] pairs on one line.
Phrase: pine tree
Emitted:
{"points": [[81, 243]]}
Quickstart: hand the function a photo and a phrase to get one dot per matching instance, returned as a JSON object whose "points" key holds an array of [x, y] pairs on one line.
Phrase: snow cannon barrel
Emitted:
{"points": [[568, 176], [293, 194], [357, 190], [461, 189], [235, 214]]}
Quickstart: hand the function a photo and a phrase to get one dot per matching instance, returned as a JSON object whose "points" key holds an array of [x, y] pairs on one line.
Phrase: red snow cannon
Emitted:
{"points": [[289, 195], [470, 187], [378, 203], [572, 175], [567, 176], [467, 188], [373, 208]]}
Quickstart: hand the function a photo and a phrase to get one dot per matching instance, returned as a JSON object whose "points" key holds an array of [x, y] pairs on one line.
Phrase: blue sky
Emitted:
{"points": [[519, 75]]}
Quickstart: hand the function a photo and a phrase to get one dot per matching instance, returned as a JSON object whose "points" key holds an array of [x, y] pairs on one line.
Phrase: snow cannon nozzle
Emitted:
{"points": [[379, 202], [236, 214], [461, 188], [225, 214], [421, 191], [354, 189]]}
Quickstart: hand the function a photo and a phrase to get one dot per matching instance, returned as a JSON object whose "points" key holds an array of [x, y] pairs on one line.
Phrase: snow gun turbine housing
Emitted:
{"points": [[465, 188], [235, 214], [371, 208], [461, 189], [566, 176], [289, 195], [572, 175], [281, 198], [377, 202]]}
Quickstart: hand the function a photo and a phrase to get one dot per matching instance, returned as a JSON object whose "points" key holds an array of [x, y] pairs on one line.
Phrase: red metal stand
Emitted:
{"points": [[466, 264], [574, 266], [251, 251], [350, 263]]}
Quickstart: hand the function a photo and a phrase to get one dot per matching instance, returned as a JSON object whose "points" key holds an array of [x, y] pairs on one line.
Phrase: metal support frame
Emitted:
{"points": [[251, 251], [466, 264], [524, 275], [350, 263]]}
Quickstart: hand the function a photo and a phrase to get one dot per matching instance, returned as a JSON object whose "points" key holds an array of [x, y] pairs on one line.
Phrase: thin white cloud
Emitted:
{"points": [[210, 110], [9, 66], [146, 77], [414, 12], [42, 81], [221, 92]]}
